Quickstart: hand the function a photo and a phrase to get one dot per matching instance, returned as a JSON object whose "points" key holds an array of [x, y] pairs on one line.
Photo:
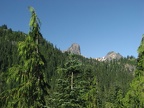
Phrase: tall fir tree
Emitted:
{"points": [[30, 86]]}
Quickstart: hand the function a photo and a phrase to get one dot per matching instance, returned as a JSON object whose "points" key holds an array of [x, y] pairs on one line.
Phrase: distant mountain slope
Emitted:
{"points": [[9, 55]]}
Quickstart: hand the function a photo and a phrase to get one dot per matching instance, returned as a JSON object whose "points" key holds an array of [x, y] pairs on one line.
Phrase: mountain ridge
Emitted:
{"points": [[111, 55]]}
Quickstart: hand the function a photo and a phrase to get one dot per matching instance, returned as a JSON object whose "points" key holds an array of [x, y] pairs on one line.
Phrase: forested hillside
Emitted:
{"points": [[73, 80]]}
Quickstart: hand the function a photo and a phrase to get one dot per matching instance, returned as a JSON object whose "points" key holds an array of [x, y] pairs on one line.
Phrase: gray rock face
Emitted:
{"points": [[75, 49], [113, 55]]}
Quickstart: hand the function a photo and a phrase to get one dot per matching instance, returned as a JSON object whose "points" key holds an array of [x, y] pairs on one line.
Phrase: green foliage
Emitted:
{"points": [[94, 83], [67, 94], [50, 56], [28, 62], [72, 67], [90, 96], [30, 86], [135, 96], [4, 27]]}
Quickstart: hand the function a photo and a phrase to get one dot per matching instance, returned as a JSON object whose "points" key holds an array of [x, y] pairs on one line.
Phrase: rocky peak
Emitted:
{"points": [[110, 56], [75, 49], [113, 55]]}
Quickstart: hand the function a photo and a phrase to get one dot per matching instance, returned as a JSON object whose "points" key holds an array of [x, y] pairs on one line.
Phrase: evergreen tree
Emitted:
{"points": [[135, 96], [29, 85], [91, 95], [67, 94], [94, 84], [72, 67]]}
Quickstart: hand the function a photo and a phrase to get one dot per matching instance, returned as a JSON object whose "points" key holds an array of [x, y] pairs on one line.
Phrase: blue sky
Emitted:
{"points": [[98, 26]]}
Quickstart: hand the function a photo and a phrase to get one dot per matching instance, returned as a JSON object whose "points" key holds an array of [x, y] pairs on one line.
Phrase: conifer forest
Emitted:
{"points": [[36, 74]]}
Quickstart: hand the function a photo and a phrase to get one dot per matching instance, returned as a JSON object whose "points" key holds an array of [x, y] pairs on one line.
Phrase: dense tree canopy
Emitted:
{"points": [[35, 74]]}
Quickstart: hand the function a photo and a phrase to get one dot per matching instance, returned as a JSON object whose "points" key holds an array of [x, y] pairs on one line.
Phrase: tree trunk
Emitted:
{"points": [[72, 81], [37, 42]]}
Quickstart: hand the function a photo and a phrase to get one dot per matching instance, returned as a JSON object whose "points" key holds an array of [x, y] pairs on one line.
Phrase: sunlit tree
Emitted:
{"points": [[29, 85], [135, 96]]}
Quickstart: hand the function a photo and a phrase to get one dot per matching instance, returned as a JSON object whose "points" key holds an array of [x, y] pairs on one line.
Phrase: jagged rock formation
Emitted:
{"points": [[113, 55], [110, 56], [74, 49]]}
